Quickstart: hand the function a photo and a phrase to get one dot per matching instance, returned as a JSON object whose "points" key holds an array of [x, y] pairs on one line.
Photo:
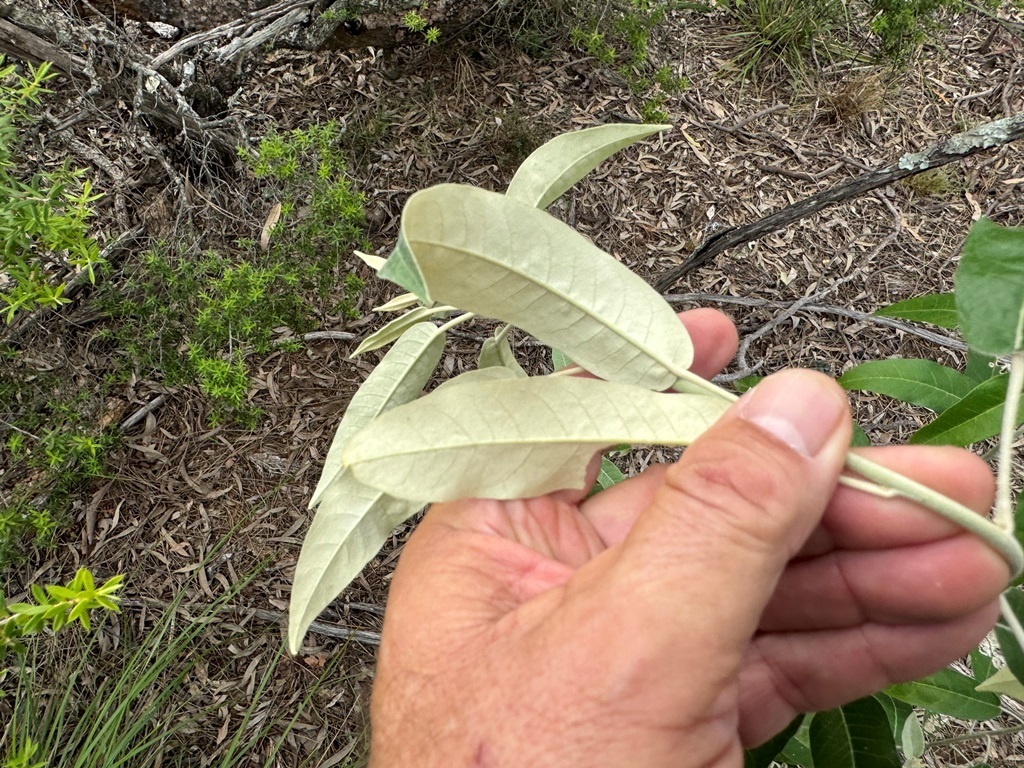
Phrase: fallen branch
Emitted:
{"points": [[364, 636], [938, 339], [984, 137]]}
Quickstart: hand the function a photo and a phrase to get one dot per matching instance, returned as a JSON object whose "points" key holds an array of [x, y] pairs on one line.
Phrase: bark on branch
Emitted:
{"points": [[985, 137]]}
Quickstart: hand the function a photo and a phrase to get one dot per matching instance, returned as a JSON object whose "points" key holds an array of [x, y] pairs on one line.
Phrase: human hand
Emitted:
{"points": [[686, 613]]}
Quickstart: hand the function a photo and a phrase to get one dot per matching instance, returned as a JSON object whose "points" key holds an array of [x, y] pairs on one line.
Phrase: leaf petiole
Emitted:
{"points": [[1003, 516], [887, 483], [457, 320]]}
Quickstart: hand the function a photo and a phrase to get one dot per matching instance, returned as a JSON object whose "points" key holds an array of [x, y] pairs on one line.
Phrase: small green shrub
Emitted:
{"points": [[44, 238], [901, 26], [55, 608], [54, 448], [783, 36], [620, 37], [198, 319], [148, 700]]}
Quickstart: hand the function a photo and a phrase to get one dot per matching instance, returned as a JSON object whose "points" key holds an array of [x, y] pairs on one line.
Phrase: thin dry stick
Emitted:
{"points": [[364, 636], [984, 137], [947, 342]]}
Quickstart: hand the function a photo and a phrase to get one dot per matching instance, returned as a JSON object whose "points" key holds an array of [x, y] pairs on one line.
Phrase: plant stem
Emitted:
{"points": [[976, 735], [1003, 543], [692, 384], [457, 320], [1004, 504], [887, 483], [1011, 620]]}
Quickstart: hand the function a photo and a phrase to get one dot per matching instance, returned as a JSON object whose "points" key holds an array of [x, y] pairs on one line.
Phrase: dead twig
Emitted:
{"points": [[982, 138]]}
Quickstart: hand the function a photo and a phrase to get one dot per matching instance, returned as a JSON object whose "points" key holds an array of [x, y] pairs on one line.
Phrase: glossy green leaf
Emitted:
{"points": [[982, 665], [394, 329], [936, 308], [1013, 653], [1004, 683], [398, 378], [855, 736], [397, 304], [763, 755], [517, 437], [554, 167], [351, 525], [976, 417], [920, 382], [798, 749], [609, 474], [858, 437], [912, 738], [497, 352], [950, 693], [487, 254], [990, 288], [980, 366], [896, 711]]}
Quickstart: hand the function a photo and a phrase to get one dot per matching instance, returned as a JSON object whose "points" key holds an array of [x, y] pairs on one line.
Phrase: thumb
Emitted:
{"points": [[703, 560]]}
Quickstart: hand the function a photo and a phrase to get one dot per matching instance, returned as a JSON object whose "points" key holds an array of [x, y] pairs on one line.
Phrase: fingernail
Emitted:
{"points": [[800, 408]]}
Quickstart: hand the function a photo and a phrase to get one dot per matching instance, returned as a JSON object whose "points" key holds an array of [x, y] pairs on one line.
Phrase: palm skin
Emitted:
{"points": [[684, 614]]}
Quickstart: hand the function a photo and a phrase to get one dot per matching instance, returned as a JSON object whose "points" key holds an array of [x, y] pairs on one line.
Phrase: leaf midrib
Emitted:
{"points": [[643, 347]]}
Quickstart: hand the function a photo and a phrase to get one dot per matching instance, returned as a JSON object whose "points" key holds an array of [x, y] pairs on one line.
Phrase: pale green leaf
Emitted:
{"points": [[977, 416], [401, 268], [399, 303], [547, 173], [491, 373], [351, 525], [949, 693], [373, 262], [487, 254], [990, 288], [1004, 683], [855, 736], [921, 382], [935, 308], [912, 737], [497, 352], [516, 437], [398, 378], [397, 327]]}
